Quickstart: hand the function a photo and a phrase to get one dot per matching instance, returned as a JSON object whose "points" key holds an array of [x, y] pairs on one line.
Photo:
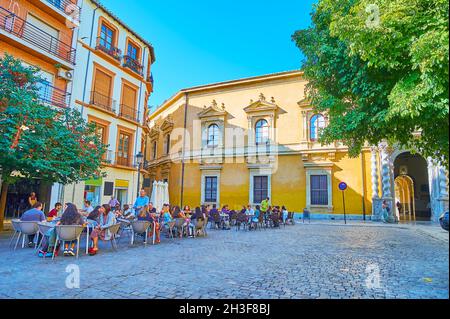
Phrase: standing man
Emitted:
{"points": [[113, 203], [33, 215], [141, 202], [265, 205]]}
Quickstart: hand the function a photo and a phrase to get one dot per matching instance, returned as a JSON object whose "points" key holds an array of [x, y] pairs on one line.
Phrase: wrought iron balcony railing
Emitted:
{"points": [[132, 64], [112, 51], [32, 34], [65, 6], [53, 96], [102, 101], [150, 78], [129, 112]]}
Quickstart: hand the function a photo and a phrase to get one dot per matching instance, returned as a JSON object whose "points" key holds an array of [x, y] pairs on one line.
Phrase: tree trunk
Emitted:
{"points": [[4, 193]]}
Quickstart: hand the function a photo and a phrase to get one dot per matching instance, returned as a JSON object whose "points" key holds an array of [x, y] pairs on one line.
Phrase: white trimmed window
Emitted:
{"points": [[213, 136], [317, 124], [319, 192], [210, 187], [262, 134], [260, 185]]}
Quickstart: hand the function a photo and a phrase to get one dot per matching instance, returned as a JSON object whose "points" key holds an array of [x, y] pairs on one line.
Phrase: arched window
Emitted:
{"points": [[213, 135], [167, 144], [154, 147], [316, 127], [262, 132]]}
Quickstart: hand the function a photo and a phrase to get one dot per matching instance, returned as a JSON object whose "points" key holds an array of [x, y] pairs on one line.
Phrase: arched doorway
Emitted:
{"points": [[412, 189], [404, 198]]}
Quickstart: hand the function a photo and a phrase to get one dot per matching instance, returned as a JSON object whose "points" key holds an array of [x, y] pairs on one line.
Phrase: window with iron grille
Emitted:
{"points": [[319, 190], [211, 189], [260, 188]]}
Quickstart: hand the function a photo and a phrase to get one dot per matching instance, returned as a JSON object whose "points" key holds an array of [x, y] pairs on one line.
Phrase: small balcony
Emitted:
{"points": [[53, 96], [107, 48], [129, 113], [27, 32], [102, 101], [133, 65], [66, 7]]}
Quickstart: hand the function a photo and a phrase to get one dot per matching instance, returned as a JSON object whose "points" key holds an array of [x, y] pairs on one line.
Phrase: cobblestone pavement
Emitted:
{"points": [[319, 260]]}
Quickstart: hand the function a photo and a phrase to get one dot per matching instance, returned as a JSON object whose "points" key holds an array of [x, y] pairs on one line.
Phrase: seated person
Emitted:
{"points": [[87, 208], [71, 216], [167, 217], [117, 211], [55, 212], [106, 219], [150, 216], [128, 212], [33, 215]]}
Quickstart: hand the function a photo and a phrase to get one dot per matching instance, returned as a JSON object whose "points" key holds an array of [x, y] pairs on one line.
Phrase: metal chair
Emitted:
{"points": [[114, 229], [140, 227], [43, 229], [200, 226], [179, 225], [26, 229], [16, 228], [68, 233], [125, 227]]}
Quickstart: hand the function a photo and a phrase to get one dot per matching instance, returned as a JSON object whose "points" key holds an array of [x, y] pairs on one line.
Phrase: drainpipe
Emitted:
{"points": [[183, 164], [139, 112], [89, 59]]}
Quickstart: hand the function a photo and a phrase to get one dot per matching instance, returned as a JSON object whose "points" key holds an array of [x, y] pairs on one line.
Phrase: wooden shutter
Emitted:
{"points": [[129, 102], [102, 83]]}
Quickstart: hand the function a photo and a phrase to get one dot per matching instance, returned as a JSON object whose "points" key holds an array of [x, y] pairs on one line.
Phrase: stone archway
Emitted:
{"points": [[404, 198], [412, 188]]}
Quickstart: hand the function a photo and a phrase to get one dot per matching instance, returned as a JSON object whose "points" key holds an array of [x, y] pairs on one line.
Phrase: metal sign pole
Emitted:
{"points": [[343, 202]]}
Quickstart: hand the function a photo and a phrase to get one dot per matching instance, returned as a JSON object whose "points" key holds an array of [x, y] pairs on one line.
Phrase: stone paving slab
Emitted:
{"points": [[305, 261]]}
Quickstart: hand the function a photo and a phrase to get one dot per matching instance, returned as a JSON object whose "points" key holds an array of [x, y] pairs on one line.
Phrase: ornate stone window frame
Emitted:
{"points": [[210, 171], [259, 170], [261, 110], [319, 169]]}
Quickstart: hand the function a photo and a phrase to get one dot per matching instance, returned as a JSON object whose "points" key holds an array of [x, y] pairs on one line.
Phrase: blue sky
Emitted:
{"points": [[203, 41]]}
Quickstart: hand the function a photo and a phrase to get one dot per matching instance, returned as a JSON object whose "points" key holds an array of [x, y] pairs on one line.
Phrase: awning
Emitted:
{"points": [[94, 182], [121, 183]]}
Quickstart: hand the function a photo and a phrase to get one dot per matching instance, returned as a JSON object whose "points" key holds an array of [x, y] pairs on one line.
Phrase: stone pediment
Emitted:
{"points": [[213, 111], [304, 103], [167, 125], [154, 133], [262, 105]]}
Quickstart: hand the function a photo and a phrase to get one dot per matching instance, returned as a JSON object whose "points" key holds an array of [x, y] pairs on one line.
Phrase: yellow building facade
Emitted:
{"points": [[240, 141]]}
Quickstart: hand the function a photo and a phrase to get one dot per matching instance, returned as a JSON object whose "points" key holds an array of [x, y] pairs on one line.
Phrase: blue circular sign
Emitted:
{"points": [[343, 186]]}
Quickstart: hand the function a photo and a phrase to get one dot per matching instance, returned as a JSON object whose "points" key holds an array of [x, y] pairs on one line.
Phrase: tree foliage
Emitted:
{"points": [[39, 140], [380, 69]]}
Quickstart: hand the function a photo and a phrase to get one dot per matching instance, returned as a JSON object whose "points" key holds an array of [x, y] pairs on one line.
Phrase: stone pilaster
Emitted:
{"points": [[376, 201], [387, 182], [443, 191]]}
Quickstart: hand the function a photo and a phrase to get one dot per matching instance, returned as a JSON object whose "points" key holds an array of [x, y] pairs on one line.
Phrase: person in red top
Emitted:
{"points": [[55, 211]]}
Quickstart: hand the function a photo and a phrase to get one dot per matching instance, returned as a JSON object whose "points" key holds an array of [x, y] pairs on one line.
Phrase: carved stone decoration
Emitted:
{"points": [[443, 182], [386, 178], [305, 157], [374, 173], [262, 97], [332, 156]]}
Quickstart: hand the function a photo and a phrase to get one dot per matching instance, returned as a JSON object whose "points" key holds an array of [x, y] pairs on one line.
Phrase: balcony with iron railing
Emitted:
{"points": [[51, 95], [28, 32], [107, 48], [129, 113], [102, 101], [133, 65], [65, 6]]}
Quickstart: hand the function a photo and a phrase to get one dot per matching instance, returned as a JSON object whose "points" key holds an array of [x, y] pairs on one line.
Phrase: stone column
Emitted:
{"points": [[305, 126], [443, 192], [376, 202], [386, 177]]}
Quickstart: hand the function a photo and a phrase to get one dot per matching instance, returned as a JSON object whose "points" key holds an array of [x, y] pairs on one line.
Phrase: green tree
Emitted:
{"points": [[380, 69], [53, 144]]}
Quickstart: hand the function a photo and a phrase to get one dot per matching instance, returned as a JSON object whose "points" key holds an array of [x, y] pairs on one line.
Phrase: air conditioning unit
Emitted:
{"points": [[64, 74]]}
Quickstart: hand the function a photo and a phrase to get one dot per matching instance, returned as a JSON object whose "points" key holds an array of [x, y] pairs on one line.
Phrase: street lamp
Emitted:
{"points": [[139, 161]]}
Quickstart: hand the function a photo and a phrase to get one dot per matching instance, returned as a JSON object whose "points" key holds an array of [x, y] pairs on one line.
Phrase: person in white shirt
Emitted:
{"points": [[87, 208]]}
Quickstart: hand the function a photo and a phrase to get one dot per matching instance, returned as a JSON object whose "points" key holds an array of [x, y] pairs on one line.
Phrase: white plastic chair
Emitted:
{"points": [[26, 229], [16, 228], [139, 227], [68, 233]]}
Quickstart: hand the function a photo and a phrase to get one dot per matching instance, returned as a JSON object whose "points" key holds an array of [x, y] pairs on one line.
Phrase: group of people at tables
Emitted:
{"points": [[99, 219]]}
